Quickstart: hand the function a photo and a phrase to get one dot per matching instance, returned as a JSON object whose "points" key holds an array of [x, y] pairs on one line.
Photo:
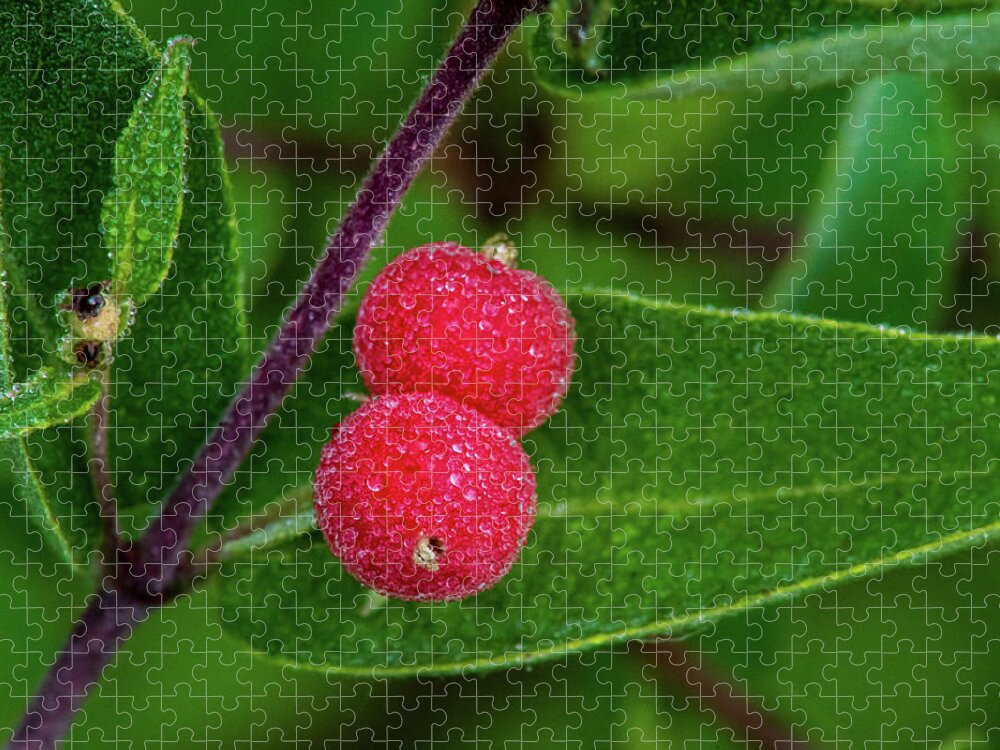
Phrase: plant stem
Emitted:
{"points": [[101, 477], [105, 624], [148, 581], [753, 725], [483, 36]]}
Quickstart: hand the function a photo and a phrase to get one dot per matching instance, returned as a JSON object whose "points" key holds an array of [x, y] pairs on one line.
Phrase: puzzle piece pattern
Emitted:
{"points": [[717, 201]]}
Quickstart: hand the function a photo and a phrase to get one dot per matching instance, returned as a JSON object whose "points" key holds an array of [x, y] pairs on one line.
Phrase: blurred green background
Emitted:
{"points": [[698, 202]]}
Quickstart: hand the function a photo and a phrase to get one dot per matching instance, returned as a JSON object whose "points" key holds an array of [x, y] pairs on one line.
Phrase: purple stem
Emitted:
{"points": [[156, 560], [105, 624]]}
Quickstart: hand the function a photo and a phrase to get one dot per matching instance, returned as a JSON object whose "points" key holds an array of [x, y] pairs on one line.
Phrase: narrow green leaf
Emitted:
{"points": [[277, 533], [881, 242], [49, 398], [142, 214], [683, 49], [176, 372], [706, 462]]}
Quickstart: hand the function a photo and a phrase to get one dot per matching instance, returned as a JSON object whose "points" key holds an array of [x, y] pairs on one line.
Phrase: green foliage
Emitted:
{"points": [[680, 485], [324, 88], [50, 397], [168, 219], [347, 71], [986, 146], [177, 371], [684, 48], [881, 242], [69, 75], [142, 213], [70, 72]]}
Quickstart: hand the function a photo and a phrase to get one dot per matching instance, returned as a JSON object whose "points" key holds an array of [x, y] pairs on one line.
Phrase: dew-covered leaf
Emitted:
{"points": [[70, 79], [188, 349], [70, 73], [675, 49], [705, 462], [142, 214], [49, 398]]}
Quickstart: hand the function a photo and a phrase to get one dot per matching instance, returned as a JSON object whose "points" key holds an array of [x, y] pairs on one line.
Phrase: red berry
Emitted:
{"points": [[446, 319], [423, 498]]}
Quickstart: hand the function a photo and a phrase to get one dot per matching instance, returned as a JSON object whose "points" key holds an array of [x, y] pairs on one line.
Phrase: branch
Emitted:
{"points": [[101, 477], [105, 624], [753, 725], [483, 36]]}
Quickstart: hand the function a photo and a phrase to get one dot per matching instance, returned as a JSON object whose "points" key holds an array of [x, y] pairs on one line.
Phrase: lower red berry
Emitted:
{"points": [[446, 319], [423, 498]]}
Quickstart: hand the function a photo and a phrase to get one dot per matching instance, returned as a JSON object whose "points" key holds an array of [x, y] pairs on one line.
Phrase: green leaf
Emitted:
{"points": [[881, 242], [706, 462], [176, 372], [142, 214], [287, 527], [49, 398], [685, 48], [70, 76], [70, 73]]}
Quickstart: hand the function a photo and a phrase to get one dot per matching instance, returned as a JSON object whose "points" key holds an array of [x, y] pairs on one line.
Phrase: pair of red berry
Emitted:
{"points": [[424, 492]]}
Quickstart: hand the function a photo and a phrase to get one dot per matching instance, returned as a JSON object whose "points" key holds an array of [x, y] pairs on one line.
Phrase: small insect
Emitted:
{"points": [[93, 320], [89, 354], [87, 302]]}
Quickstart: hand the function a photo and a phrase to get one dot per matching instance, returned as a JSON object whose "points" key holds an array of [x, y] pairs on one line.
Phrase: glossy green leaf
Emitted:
{"points": [[881, 243], [690, 48], [142, 214], [187, 352], [49, 398], [70, 73], [706, 462]]}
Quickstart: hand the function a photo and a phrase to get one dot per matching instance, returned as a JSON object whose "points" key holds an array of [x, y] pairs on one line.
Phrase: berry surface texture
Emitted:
{"points": [[445, 319], [424, 498]]}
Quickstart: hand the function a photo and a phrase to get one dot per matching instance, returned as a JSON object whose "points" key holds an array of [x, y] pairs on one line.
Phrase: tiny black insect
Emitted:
{"points": [[87, 302]]}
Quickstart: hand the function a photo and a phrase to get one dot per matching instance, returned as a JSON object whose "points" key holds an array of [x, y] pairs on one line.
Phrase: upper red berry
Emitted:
{"points": [[446, 319], [423, 498]]}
